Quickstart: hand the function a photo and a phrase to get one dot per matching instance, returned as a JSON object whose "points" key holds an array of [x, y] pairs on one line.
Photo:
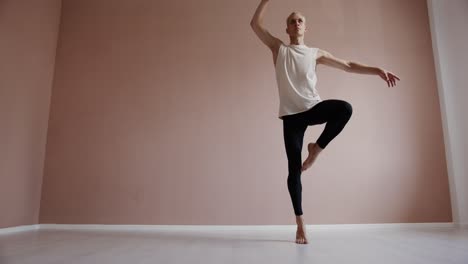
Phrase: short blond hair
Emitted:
{"points": [[295, 13]]}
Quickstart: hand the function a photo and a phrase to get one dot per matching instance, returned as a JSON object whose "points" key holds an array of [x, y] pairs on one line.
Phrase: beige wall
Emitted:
{"points": [[28, 31], [165, 112]]}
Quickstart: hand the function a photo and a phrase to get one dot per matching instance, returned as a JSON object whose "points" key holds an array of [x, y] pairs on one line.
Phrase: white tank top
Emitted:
{"points": [[296, 78]]}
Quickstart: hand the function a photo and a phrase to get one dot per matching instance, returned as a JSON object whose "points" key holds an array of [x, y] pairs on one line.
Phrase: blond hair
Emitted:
{"points": [[294, 13]]}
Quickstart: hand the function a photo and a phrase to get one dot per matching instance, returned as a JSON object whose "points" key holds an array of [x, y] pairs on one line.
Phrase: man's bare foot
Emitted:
{"points": [[301, 237], [314, 150]]}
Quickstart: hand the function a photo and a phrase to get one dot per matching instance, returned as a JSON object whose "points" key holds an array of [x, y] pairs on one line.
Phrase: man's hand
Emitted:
{"points": [[389, 77]]}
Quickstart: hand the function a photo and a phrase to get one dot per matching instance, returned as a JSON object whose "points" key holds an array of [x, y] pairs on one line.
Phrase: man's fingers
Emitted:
{"points": [[390, 78], [394, 76], [387, 79]]}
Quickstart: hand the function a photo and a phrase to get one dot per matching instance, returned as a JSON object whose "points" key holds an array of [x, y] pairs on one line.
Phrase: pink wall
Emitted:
{"points": [[165, 112], [29, 32]]}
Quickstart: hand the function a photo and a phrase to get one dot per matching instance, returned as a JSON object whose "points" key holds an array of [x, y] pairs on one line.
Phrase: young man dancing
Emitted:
{"points": [[300, 103]]}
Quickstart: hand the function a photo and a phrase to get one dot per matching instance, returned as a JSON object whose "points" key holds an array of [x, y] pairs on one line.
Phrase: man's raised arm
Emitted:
{"points": [[257, 26]]}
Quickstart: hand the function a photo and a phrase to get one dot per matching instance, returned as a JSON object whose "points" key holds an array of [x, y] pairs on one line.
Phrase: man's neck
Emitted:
{"points": [[297, 41]]}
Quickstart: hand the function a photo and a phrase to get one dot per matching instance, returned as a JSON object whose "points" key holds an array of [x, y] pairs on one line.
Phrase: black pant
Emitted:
{"points": [[336, 113]]}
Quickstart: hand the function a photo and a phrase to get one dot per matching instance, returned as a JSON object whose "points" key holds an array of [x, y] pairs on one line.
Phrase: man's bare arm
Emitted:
{"points": [[257, 25], [324, 57]]}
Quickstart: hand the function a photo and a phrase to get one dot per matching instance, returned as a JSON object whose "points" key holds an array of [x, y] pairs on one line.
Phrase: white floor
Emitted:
{"points": [[425, 245]]}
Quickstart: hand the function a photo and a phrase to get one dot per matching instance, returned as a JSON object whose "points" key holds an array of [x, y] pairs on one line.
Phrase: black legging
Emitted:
{"points": [[335, 113]]}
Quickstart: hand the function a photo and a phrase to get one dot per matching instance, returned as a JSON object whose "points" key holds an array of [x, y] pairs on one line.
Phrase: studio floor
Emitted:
{"points": [[425, 245]]}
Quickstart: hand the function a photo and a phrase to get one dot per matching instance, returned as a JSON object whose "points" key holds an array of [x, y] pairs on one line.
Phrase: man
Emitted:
{"points": [[300, 103]]}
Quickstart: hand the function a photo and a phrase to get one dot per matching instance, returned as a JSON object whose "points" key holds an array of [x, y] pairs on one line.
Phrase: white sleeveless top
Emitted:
{"points": [[296, 78]]}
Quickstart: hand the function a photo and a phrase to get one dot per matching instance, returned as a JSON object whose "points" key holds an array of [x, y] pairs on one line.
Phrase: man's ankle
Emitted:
{"points": [[299, 220], [317, 148]]}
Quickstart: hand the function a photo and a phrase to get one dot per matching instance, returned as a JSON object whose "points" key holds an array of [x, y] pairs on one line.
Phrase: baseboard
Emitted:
{"points": [[386, 226], [198, 228], [241, 227], [16, 229]]}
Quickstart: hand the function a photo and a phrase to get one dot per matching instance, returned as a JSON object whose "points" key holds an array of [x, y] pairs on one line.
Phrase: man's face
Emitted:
{"points": [[296, 25]]}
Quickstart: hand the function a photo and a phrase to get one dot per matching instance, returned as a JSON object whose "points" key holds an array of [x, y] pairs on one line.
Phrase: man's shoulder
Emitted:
{"points": [[315, 51]]}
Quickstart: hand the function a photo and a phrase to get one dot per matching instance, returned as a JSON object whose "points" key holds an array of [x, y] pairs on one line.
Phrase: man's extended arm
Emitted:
{"points": [[328, 59], [257, 25]]}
